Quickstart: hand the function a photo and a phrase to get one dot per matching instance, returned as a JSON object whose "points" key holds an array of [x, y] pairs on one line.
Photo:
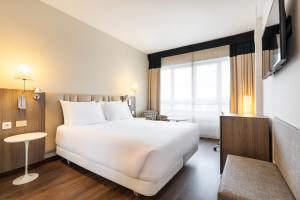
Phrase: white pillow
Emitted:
{"points": [[116, 110], [82, 113]]}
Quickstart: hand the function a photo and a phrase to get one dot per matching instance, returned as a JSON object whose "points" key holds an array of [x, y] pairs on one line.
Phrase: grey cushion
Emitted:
{"points": [[250, 179]]}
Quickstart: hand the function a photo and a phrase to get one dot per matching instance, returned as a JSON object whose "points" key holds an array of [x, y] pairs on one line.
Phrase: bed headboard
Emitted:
{"points": [[54, 116]]}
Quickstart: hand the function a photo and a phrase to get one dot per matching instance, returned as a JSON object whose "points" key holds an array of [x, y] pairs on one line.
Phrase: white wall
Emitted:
{"points": [[282, 91], [65, 54], [258, 69]]}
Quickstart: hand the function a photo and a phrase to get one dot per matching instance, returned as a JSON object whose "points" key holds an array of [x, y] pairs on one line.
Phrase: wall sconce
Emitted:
{"points": [[129, 101], [247, 101], [124, 98], [23, 73], [37, 94], [134, 87]]}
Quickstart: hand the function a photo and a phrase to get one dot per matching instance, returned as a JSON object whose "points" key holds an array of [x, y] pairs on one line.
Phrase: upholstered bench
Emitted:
{"points": [[250, 179], [246, 178]]}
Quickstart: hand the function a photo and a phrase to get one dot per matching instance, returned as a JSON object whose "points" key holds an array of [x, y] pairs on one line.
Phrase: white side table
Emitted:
{"points": [[26, 138]]}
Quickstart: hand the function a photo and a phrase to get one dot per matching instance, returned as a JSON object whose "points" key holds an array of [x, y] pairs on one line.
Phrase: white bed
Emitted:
{"points": [[139, 154]]}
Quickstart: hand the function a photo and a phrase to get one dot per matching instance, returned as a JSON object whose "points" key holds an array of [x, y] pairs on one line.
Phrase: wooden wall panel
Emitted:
{"points": [[12, 155], [246, 136]]}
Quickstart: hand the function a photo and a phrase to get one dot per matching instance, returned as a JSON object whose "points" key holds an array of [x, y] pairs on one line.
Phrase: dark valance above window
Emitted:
{"points": [[155, 63], [269, 43], [155, 58], [269, 40], [242, 48]]}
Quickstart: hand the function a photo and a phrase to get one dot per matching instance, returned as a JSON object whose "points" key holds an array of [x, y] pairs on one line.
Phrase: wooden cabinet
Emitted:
{"points": [[247, 136]]}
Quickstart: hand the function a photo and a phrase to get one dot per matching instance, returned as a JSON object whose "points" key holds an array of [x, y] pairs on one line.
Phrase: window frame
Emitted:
{"points": [[194, 101]]}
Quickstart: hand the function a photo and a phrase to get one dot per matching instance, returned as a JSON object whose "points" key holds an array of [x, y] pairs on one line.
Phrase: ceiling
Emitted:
{"points": [[156, 25]]}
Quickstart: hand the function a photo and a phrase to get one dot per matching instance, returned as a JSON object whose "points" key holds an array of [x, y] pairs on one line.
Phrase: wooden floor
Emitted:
{"points": [[198, 180]]}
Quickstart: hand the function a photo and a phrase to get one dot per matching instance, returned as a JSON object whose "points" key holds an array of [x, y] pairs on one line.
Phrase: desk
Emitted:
{"points": [[247, 136]]}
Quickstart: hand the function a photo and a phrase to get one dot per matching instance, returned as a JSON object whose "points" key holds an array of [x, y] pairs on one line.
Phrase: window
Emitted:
{"points": [[198, 91]]}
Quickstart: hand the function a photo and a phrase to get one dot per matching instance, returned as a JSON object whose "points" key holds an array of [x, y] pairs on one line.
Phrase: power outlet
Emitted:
{"points": [[21, 123], [6, 125]]}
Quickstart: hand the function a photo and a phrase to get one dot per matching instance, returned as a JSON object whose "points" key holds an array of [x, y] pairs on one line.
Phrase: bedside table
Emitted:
{"points": [[26, 138]]}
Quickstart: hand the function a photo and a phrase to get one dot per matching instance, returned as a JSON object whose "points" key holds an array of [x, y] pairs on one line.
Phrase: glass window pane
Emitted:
{"points": [[182, 110], [225, 81], [206, 81], [165, 108], [183, 84], [165, 84], [225, 108]]}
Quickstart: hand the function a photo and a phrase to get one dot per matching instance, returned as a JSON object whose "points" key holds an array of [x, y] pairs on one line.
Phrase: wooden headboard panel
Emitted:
{"points": [[54, 116], [12, 155]]}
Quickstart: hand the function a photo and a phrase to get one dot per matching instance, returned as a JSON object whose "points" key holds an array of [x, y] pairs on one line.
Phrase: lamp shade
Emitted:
{"points": [[134, 87], [38, 90], [247, 105], [23, 72]]}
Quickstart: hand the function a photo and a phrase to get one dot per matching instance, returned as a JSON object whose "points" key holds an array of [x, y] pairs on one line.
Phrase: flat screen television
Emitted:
{"points": [[275, 37]]}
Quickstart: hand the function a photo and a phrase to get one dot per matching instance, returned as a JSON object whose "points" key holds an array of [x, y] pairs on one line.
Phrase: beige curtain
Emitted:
{"points": [[206, 54], [154, 89], [212, 53], [242, 84], [178, 59]]}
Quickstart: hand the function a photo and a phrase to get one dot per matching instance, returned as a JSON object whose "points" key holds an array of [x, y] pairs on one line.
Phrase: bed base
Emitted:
{"points": [[136, 195], [138, 186]]}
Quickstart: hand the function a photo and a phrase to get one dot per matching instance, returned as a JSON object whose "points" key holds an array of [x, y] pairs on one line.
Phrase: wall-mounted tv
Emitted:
{"points": [[275, 38]]}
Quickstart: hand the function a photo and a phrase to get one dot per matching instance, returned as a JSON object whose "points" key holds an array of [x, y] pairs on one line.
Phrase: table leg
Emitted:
{"points": [[26, 178], [26, 157]]}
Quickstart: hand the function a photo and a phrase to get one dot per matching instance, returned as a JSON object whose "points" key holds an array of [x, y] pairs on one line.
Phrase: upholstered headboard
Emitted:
{"points": [[54, 116], [287, 153]]}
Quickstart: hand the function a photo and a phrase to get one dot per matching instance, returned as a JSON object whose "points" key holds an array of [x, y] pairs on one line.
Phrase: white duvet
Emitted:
{"points": [[139, 148]]}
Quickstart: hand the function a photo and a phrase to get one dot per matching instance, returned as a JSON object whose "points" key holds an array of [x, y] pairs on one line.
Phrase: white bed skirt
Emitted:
{"points": [[142, 187]]}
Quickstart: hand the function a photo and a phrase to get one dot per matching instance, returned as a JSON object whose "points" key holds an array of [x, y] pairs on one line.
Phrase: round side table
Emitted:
{"points": [[26, 138]]}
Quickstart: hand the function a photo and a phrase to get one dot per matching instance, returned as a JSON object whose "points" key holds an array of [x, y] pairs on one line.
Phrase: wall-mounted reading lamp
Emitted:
{"points": [[23, 73], [37, 93], [134, 88]]}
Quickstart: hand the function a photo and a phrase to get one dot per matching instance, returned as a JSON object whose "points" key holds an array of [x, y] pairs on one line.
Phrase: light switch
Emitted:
{"points": [[6, 125], [21, 123]]}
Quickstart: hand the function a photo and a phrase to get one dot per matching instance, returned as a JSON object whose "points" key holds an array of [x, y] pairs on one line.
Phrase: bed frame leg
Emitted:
{"points": [[136, 195]]}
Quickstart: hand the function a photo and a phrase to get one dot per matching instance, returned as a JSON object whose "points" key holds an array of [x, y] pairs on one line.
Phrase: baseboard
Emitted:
{"points": [[50, 155]]}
